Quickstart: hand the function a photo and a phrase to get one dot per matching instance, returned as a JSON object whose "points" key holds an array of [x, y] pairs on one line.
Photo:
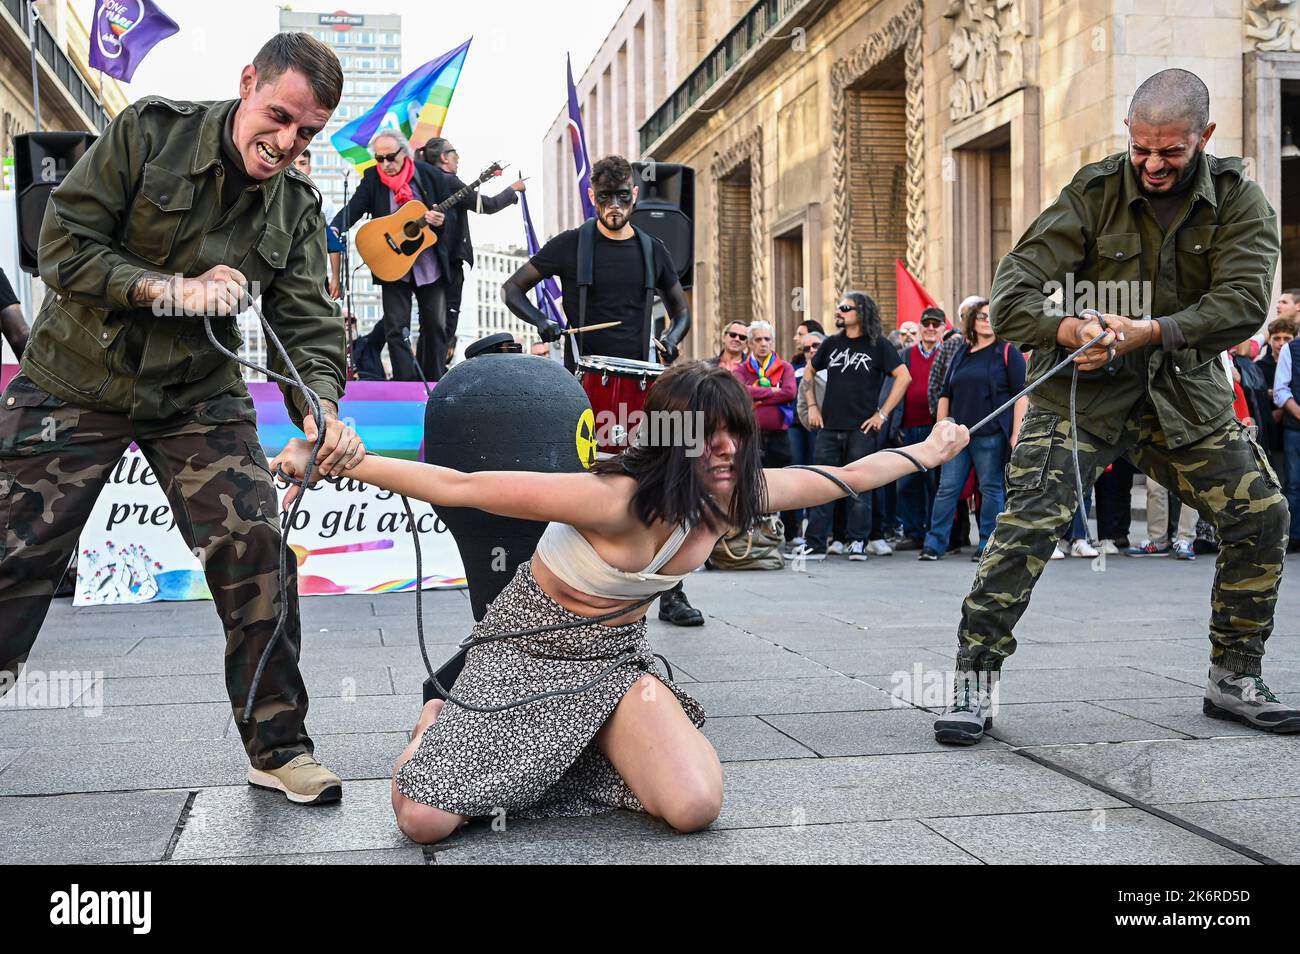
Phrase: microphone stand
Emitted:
{"points": [[346, 278], [406, 336]]}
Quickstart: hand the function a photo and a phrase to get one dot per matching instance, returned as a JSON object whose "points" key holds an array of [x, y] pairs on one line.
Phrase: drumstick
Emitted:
{"points": [[578, 331]]}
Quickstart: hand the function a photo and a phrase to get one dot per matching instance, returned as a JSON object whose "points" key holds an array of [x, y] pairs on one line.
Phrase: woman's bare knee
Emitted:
{"points": [[424, 824], [693, 806]]}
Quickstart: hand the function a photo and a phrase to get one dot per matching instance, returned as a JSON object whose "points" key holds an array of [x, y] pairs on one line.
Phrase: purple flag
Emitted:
{"points": [[122, 32], [581, 161], [548, 293]]}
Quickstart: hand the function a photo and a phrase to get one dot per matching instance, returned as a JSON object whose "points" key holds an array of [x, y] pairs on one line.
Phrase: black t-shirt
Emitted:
{"points": [[855, 372], [7, 296], [617, 291]]}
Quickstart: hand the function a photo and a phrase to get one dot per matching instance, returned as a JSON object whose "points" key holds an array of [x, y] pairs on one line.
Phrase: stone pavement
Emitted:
{"points": [[808, 679]]}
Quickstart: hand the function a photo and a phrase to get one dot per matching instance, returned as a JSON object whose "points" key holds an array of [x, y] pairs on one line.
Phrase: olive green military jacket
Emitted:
{"points": [[1207, 281], [146, 197]]}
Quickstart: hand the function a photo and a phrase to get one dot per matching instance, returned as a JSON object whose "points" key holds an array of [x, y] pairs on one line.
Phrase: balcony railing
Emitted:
{"points": [[66, 73], [714, 68]]}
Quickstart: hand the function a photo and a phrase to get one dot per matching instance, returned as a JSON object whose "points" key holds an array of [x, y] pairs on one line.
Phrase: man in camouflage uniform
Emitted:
{"points": [[1204, 238], [166, 218]]}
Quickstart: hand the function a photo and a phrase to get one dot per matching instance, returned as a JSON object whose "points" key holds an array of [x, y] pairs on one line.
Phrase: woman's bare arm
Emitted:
{"points": [[583, 500], [789, 489]]}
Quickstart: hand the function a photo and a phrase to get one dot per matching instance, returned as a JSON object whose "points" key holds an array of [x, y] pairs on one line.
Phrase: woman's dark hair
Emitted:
{"points": [[812, 324], [668, 484], [968, 319], [310, 57], [868, 315]]}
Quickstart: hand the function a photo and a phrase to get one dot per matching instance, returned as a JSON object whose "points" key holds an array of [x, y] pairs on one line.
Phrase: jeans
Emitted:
{"points": [[802, 443], [916, 492], [835, 449], [1291, 452], [988, 454]]}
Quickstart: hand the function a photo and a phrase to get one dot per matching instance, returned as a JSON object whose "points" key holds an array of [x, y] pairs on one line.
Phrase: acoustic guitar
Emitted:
{"points": [[391, 243]]}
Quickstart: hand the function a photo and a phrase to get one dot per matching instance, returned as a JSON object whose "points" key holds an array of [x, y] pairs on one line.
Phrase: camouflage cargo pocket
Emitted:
{"points": [[1028, 464]]}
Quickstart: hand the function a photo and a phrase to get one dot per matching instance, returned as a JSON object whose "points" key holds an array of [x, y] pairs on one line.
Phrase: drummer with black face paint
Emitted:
{"points": [[602, 267]]}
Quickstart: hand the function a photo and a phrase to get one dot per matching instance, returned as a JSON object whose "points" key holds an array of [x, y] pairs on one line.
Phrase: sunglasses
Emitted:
{"points": [[984, 315], [390, 157], [617, 197], [732, 334], [811, 348], [842, 309], [935, 323]]}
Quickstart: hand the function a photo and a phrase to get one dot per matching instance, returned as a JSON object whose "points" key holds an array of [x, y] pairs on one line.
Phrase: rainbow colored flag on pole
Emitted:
{"points": [[417, 106]]}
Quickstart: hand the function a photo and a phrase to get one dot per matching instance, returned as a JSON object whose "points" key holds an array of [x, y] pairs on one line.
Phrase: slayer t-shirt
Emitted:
{"points": [[855, 372]]}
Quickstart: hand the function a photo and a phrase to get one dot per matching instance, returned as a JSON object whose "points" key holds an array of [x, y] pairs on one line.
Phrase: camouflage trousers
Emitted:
{"points": [[55, 458], [1225, 475]]}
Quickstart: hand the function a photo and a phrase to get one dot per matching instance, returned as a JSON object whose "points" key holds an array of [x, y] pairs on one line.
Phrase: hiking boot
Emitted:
{"points": [[303, 780], [1241, 697], [971, 713]]}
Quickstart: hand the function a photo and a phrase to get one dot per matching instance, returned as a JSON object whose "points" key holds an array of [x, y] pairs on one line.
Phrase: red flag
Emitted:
{"points": [[912, 296]]}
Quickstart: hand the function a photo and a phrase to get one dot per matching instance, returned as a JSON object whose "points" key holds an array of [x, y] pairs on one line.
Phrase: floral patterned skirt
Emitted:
{"points": [[536, 760]]}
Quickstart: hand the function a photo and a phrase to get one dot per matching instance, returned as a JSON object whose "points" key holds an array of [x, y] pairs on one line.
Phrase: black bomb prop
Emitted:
{"points": [[504, 412]]}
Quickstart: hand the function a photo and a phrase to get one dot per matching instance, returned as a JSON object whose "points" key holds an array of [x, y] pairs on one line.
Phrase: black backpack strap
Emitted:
{"points": [[586, 257], [648, 266]]}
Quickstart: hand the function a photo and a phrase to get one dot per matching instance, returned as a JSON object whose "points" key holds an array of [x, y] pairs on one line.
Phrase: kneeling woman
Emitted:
{"points": [[630, 528]]}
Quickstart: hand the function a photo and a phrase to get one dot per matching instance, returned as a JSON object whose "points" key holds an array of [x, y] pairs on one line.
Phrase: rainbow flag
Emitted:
{"points": [[417, 106]]}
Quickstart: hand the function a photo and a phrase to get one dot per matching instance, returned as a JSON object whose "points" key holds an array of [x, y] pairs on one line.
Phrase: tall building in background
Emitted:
{"points": [[369, 47], [483, 312]]}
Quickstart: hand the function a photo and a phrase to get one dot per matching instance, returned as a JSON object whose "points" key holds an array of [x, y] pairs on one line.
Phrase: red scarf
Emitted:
{"points": [[400, 184]]}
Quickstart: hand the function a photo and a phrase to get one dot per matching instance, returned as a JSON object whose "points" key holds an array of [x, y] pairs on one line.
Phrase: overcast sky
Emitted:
{"points": [[509, 92]]}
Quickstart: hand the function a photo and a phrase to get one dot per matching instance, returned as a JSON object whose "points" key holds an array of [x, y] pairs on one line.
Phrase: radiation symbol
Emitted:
{"points": [[586, 438]]}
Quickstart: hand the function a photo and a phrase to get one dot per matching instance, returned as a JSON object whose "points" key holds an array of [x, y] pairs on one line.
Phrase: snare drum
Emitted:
{"points": [[616, 388]]}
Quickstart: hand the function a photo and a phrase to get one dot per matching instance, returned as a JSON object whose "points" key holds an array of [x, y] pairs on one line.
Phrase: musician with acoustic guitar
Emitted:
{"points": [[396, 179]]}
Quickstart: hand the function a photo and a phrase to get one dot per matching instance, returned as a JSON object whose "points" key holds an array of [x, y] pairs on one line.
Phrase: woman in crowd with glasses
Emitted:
{"points": [[985, 373]]}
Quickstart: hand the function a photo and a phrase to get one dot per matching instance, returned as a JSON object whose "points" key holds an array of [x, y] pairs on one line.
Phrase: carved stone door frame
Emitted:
{"points": [[808, 219], [1014, 118], [1261, 125]]}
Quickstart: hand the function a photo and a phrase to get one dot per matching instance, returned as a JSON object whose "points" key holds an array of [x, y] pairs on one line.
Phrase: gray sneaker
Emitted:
{"points": [[1239, 697], [971, 713]]}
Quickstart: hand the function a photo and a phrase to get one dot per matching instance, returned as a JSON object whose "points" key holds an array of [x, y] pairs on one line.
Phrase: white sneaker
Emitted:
{"points": [[879, 548], [1082, 548], [1183, 550], [1108, 547], [1057, 553], [857, 553], [836, 548]]}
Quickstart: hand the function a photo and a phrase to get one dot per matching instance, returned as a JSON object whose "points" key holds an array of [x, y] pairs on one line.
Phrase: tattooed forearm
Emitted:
{"points": [[150, 287]]}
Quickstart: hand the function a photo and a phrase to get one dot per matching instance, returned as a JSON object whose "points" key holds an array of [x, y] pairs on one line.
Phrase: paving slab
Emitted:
{"points": [[1054, 723], [129, 766], [1225, 769], [901, 729], [236, 821], [875, 788], [1040, 685], [89, 829], [1269, 825], [745, 738], [84, 726], [1114, 836], [769, 696], [902, 842], [773, 663]]}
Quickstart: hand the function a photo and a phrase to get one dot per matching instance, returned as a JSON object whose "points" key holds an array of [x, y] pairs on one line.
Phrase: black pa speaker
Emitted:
{"points": [[41, 161], [665, 208]]}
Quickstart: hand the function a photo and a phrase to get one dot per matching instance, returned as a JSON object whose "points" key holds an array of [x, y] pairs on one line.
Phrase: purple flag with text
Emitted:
{"points": [[581, 161], [122, 32], [548, 293]]}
